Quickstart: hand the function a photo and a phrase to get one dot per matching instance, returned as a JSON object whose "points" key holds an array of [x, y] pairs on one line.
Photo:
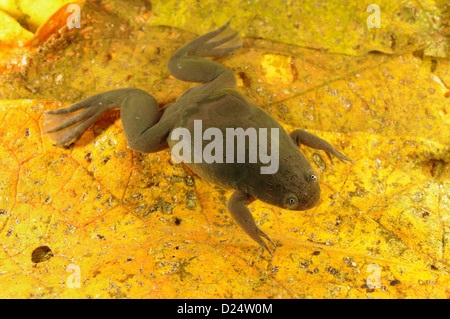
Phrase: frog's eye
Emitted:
{"points": [[290, 201], [311, 177]]}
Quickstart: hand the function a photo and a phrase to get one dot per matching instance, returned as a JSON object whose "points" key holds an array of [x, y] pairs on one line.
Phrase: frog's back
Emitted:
{"points": [[228, 109]]}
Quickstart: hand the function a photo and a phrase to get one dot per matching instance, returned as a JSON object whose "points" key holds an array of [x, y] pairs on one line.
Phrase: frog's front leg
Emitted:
{"points": [[145, 127], [310, 140], [237, 206]]}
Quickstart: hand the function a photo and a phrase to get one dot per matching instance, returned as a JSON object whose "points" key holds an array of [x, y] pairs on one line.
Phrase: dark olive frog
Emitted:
{"points": [[215, 101]]}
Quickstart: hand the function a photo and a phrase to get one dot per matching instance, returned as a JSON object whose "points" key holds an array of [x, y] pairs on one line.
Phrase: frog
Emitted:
{"points": [[216, 101]]}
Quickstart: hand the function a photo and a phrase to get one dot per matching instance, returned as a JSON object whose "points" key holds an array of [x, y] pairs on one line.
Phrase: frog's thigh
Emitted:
{"points": [[140, 118]]}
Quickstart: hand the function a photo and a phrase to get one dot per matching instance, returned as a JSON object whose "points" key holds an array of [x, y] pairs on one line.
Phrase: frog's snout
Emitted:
{"points": [[308, 196], [313, 199]]}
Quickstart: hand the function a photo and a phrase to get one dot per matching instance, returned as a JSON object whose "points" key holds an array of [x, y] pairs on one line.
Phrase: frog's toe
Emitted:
{"points": [[263, 245], [222, 44], [339, 156], [65, 126], [64, 129]]}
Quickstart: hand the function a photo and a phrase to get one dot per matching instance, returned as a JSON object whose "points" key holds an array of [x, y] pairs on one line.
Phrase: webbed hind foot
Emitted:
{"points": [[65, 126]]}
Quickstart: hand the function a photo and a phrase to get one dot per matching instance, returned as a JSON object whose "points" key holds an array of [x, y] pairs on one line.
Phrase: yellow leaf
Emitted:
{"points": [[32, 13]]}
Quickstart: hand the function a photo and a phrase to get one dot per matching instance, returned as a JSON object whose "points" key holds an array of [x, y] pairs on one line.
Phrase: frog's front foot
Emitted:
{"points": [[237, 206], [310, 140]]}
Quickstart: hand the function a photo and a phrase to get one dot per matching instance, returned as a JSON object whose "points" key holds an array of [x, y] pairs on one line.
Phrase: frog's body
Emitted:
{"points": [[217, 104], [231, 110]]}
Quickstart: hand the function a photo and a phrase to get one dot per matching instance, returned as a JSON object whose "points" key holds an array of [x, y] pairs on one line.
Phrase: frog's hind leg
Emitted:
{"points": [[188, 64], [139, 112]]}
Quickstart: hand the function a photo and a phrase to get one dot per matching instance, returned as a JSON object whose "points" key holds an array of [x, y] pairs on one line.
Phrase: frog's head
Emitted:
{"points": [[300, 189], [303, 193]]}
